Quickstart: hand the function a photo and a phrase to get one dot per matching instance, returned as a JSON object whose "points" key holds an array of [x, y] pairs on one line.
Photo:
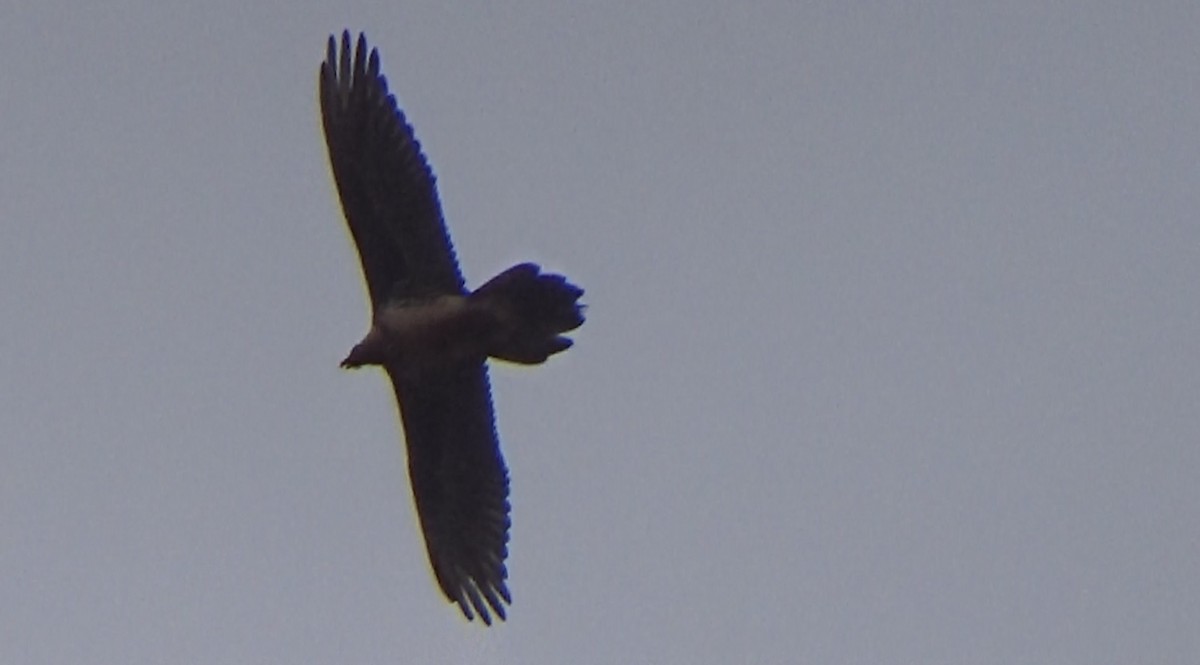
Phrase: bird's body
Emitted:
{"points": [[429, 333], [445, 331]]}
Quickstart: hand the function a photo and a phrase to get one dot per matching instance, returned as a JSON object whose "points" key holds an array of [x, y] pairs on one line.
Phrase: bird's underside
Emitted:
{"points": [[429, 334]]}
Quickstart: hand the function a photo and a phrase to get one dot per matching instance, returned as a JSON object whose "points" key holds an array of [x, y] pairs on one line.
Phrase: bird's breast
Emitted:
{"points": [[446, 330]]}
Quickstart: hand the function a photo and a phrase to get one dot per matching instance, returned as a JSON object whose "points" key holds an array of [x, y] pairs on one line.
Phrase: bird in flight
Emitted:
{"points": [[429, 333]]}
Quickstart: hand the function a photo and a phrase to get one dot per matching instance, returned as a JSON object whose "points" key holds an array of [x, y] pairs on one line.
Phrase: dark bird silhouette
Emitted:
{"points": [[429, 333]]}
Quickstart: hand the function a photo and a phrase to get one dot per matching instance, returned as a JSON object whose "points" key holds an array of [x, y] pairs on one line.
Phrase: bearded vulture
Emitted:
{"points": [[431, 335]]}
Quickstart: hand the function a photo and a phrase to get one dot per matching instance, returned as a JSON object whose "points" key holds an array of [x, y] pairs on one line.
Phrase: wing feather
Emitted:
{"points": [[388, 192], [459, 482]]}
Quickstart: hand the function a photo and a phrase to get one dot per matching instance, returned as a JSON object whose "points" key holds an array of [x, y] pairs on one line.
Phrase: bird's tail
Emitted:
{"points": [[535, 308]]}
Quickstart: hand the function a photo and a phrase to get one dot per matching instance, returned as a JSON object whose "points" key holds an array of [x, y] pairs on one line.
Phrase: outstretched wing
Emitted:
{"points": [[459, 482], [388, 191]]}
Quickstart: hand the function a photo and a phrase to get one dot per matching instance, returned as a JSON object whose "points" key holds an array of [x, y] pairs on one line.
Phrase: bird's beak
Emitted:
{"points": [[354, 360]]}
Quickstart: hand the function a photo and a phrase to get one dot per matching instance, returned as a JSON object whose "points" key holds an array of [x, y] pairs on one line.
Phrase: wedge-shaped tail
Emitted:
{"points": [[535, 309]]}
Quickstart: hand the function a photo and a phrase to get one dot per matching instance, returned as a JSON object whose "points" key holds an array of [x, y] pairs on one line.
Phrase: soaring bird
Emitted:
{"points": [[431, 335]]}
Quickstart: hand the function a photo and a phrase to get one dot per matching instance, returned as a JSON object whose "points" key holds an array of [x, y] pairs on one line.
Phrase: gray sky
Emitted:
{"points": [[891, 357]]}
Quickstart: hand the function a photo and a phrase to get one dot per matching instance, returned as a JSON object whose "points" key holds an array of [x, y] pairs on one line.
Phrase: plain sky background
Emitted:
{"points": [[893, 350]]}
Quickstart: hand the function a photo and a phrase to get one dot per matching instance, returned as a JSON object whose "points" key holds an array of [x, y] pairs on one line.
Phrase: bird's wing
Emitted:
{"points": [[459, 481], [387, 188]]}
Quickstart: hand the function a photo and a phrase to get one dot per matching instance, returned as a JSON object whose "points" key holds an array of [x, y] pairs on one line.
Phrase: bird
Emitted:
{"points": [[432, 336]]}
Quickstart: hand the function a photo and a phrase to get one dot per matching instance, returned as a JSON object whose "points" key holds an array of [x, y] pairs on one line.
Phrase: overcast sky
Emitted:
{"points": [[893, 350]]}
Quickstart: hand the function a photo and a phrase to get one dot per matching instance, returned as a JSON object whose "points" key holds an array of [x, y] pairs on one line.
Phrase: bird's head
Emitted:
{"points": [[372, 350]]}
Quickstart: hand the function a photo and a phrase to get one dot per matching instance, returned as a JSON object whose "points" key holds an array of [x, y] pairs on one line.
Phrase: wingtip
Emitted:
{"points": [[360, 51], [334, 42], [476, 600]]}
